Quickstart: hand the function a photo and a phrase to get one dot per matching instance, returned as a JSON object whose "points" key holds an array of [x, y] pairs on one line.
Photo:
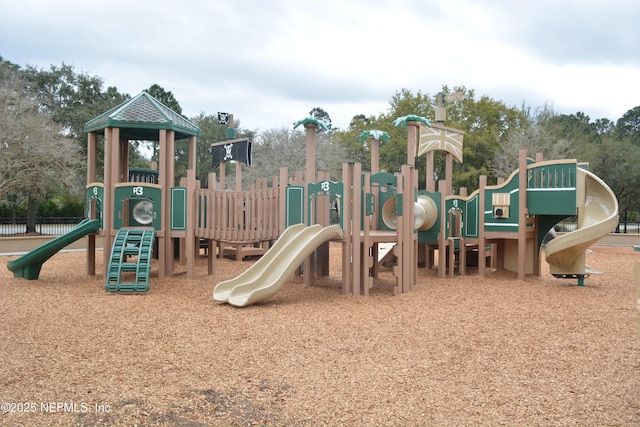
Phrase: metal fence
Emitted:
{"points": [[624, 227], [56, 226], [40, 226]]}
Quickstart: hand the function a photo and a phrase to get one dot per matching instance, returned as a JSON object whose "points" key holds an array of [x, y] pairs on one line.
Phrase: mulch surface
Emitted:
{"points": [[470, 350]]}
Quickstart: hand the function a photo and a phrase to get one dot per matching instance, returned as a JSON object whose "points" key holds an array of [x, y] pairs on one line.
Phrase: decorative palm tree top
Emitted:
{"points": [[311, 121], [410, 118], [378, 135]]}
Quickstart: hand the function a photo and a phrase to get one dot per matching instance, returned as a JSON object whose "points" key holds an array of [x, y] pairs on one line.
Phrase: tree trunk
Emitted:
{"points": [[32, 212]]}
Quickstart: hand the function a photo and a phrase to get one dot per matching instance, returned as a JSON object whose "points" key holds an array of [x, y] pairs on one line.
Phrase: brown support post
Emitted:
{"points": [[522, 216], [124, 161], [211, 247], [91, 177], [192, 205], [163, 235], [282, 212], [309, 176], [374, 146], [449, 172], [442, 241], [192, 153], [347, 240], [322, 215], [405, 230], [238, 176], [397, 249], [367, 259], [430, 182], [190, 239], [166, 197], [356, 258], [107, 203], [411, 142], [414, 235], [536, 252], [223, 169], [482, 254], [111, 161]]}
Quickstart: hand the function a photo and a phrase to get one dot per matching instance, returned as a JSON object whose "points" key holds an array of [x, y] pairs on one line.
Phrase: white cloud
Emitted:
{"points": [[270, 63]]}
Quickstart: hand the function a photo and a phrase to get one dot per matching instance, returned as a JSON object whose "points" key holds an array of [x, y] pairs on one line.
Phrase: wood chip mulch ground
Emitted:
{"points": [[464, 351]]}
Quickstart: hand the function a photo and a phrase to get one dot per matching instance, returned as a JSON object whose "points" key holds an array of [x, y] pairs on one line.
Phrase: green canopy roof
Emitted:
{"points": [[142, 117]]}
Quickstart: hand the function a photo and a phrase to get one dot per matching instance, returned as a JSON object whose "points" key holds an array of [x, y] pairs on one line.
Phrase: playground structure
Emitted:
{"points": [[502, 226], [142, 214]]}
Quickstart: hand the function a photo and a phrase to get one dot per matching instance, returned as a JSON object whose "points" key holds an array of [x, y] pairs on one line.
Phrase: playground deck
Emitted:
{"points": [[470, 350]]}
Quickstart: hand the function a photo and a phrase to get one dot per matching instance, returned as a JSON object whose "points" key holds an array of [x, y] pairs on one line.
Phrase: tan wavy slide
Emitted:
{"points": [[265, 278], [597, 217]]}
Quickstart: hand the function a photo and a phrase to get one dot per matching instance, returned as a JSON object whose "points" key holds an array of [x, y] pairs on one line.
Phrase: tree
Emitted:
{"points": [[319, 114], [393, 154], [210, 132], [629, 126], [164, 96], [485, 122], [615, 162], [349, 139], [534, 135], [284, 147], [71, 98], [167, 99], [36, 157]]}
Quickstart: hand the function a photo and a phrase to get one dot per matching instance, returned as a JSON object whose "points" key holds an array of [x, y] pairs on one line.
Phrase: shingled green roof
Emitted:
{"points": [[142, 117]]}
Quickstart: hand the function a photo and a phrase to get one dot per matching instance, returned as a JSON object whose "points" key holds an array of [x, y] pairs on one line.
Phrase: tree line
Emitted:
{"points": [[43, 144]]}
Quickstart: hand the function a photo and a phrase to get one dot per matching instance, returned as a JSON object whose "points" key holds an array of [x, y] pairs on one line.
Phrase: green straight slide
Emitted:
{"points": [[28, 266]]}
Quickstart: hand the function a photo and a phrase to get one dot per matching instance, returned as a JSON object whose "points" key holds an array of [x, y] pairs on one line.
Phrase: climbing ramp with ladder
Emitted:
{"points": [[131, 253]]}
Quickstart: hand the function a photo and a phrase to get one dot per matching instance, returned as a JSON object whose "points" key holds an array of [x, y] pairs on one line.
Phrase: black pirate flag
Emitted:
{"points": [[233, 149]]}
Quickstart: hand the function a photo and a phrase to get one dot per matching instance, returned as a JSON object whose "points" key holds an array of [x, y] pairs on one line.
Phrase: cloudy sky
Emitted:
{"points": [[269, 62]]}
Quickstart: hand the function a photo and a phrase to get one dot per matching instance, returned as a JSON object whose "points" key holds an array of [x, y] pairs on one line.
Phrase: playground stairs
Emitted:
{"points": [[131, 253]]}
